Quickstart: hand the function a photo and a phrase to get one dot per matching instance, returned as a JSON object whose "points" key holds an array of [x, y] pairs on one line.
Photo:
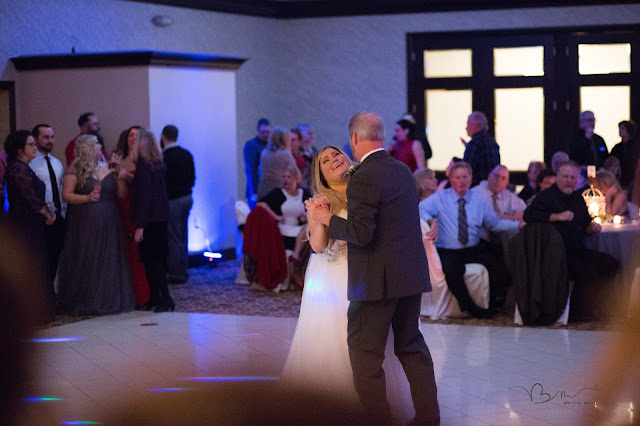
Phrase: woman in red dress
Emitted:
{"points": [[128, 168], [406, 148]]}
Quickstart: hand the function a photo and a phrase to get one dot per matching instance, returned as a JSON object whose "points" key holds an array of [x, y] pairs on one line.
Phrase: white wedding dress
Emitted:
{"points": [[319, 356]]}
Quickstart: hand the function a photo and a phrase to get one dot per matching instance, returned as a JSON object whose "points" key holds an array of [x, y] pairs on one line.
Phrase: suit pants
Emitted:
{"points": [[178, 259], [593, 274], [368, 329], [54, 240], [453, 266]]}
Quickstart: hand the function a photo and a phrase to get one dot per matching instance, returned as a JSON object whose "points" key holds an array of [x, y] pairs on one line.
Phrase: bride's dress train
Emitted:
{"points": [[319, 356]]}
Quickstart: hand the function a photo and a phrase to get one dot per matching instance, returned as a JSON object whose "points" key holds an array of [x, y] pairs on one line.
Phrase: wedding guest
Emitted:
{"points": [[426, 182], [544, 180], [593, 272], [302, 161], [308, 151], [558, 159], [612, 164], [627, 151], [150, 214], [251, 152], [461, 215], [444, 184], [530, 187], [586, 147], [615, 196], [286, 205], [50, 171], [181, 177], [28, 210], [482, 152], [93, 274], [89, 125], [124, 149], [405, 148], [275, 158]]}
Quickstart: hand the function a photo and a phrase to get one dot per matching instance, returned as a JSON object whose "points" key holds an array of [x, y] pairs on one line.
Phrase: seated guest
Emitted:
{"points": [[426, 182], [460, 215], [558, 159], [592, 271], [530, 187], [286, 205], [544, 180], [612, 164], [627, 151], [405, 148], [445, 183], [506, 204], [615, 196], [583, 180]]}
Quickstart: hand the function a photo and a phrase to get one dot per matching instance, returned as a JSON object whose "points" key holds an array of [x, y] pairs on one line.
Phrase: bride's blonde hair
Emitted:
{"points": [[320, 186]]}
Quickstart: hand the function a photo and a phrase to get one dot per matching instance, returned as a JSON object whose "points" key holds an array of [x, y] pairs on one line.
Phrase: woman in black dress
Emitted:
{"points": [[93, 274], [28, 210], [150, 215]]}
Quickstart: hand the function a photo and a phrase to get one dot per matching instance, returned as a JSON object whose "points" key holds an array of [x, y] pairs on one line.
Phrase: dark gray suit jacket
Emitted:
{"points": [[386, 255]]}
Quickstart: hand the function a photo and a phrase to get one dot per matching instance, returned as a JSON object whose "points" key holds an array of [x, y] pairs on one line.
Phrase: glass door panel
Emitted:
{"points": [[518, 61], [447, 63], [520, 126], [604, 58], [610, 105], [446, 118]]}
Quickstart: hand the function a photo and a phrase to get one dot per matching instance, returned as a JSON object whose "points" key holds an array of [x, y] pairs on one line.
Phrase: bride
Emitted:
{"points": [[319, 356]]}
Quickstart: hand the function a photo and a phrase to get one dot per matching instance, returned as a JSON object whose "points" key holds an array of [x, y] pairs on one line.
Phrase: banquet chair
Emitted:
{"points": [[440, 302], [538, 265]]}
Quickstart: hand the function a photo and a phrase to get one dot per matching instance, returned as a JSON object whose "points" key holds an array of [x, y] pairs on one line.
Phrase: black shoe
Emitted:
{"points": [[165, 307], [146, 307], [480, 313]]}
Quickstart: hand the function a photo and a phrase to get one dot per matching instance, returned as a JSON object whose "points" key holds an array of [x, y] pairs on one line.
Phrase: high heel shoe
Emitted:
{"points": [[165, 307]]}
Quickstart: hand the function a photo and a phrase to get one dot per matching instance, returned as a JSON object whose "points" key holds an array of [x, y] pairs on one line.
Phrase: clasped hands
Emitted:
{"points": [[318, 209]]}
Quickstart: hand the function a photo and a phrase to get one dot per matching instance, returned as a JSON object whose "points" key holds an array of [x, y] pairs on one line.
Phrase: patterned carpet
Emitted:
{"points": [[213, 290]]}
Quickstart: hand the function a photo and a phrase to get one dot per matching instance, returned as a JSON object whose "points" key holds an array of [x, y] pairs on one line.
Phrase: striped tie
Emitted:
{"points": [[463, 227]]}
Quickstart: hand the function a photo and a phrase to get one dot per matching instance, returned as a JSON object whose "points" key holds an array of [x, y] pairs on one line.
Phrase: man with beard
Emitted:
{"points": [[89, 124], [49, 170]]}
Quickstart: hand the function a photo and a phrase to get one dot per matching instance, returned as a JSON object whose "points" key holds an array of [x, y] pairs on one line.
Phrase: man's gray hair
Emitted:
{"points": [[481, 119], [368, 126]]}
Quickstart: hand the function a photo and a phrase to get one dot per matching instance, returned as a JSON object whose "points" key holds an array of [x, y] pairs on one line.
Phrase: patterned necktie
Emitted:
{"points": [[54, 186], [494, 197], [463, 227]]}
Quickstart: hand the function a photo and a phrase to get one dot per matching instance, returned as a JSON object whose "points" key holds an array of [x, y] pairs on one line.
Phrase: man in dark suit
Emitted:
{"points": [[388, 273]]}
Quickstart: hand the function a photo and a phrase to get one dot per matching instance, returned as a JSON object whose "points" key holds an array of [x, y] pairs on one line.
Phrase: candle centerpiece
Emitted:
{"points": [[596, 204]]}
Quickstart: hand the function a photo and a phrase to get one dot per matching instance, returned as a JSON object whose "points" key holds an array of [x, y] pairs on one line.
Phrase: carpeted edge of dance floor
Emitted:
{"points": [[214, 290]]}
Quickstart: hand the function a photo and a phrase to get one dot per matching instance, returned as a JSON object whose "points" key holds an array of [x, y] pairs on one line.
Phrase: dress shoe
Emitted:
{"points": [[146, 307], [165, 307], [480, 313]]}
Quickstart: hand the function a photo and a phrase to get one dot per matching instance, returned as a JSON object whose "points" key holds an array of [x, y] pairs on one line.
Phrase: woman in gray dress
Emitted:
{"points": [[93, 274]]}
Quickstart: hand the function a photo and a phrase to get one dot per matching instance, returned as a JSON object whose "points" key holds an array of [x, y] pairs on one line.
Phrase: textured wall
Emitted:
{"points": [[318, 70]]}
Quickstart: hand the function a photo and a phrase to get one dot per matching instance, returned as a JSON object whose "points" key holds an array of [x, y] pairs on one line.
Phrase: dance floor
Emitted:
{"points": [[485, 375]]}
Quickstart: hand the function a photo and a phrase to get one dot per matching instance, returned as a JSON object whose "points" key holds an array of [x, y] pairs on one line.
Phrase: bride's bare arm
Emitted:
{"points": [[318, 236]]}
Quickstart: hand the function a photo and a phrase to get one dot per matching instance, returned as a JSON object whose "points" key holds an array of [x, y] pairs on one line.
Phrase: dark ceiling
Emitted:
{"points": [[323, 8]]}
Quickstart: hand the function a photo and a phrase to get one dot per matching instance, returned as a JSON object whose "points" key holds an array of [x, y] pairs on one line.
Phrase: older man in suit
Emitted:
{"points": [[387, 273]]}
